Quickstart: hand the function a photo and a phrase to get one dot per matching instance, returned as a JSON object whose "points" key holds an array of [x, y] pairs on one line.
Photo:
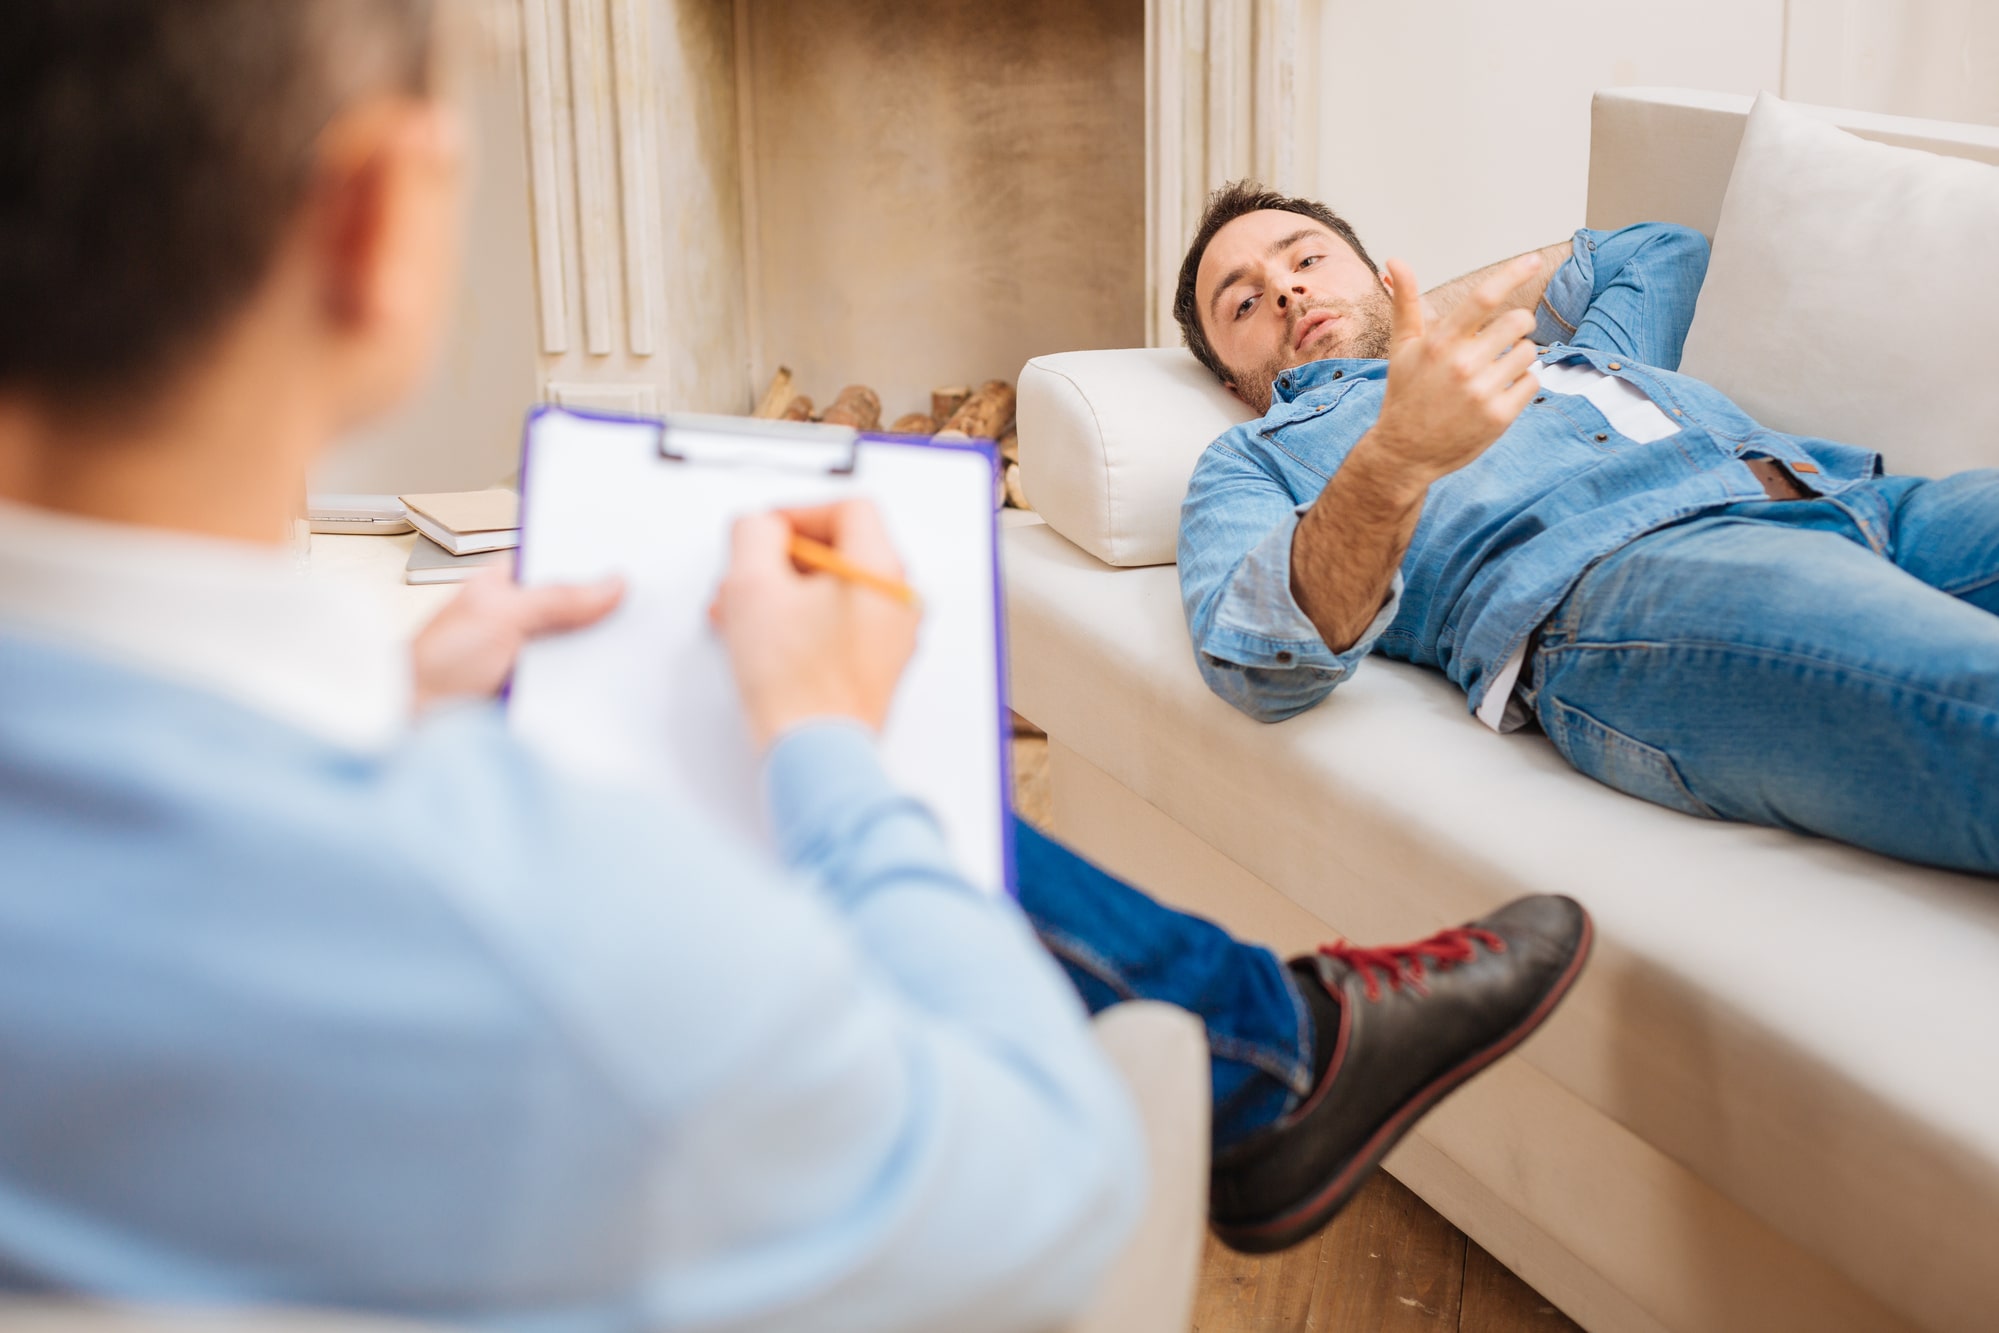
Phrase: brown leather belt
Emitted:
{"points": [[1777, 481]]}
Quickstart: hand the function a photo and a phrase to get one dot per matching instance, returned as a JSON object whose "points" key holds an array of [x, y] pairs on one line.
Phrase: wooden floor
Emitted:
{"points": [[1388, 1263]]}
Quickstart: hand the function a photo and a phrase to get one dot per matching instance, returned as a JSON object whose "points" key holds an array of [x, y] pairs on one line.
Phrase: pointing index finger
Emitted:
{"points": [[1405, 303]]}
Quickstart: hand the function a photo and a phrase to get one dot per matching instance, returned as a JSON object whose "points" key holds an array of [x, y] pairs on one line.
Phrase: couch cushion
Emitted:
{"points": [[1850, 293], [1108, 440]]}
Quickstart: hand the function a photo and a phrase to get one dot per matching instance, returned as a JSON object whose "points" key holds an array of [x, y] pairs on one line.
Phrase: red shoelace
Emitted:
{"points": [[1409, 962]]}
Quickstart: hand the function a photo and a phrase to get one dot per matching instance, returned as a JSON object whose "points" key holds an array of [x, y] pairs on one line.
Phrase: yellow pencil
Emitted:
{"points": [[818, 555]]}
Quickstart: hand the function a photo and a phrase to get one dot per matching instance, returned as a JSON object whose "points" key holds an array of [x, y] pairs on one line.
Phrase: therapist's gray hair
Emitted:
{"points": [[151, 154]]}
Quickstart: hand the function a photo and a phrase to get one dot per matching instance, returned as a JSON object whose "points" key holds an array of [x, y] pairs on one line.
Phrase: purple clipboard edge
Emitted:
{"points": [[1009, 874]]}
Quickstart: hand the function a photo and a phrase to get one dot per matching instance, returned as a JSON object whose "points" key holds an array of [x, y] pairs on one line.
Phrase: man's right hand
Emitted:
{"points": [[806, 646], [1454, 388]]}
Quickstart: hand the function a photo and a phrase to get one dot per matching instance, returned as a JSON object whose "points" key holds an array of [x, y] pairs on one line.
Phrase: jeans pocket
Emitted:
{"points": [[1617, 760]]}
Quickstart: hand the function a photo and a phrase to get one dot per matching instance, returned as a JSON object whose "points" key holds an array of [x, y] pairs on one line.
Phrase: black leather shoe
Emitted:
{"points": [[1395, 1029]]}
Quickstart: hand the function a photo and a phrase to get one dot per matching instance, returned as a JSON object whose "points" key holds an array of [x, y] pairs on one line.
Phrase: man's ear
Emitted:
{"points": [[1230, 386], [1387, 280]]}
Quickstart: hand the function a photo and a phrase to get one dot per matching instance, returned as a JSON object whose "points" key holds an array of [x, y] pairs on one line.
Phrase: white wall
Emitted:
{"points": [[1935, 58], [1456, 132]]}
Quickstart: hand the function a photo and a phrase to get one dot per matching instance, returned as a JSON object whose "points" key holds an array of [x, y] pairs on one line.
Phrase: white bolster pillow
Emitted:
{"points": [[1108, 441]]}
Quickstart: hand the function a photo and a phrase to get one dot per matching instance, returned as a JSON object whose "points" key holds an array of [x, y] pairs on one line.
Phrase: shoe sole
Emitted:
{"points": [[1287, 1229]]}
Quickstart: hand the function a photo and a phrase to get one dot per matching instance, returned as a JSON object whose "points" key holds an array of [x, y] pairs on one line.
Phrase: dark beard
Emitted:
{"points": [[1371, 325]]}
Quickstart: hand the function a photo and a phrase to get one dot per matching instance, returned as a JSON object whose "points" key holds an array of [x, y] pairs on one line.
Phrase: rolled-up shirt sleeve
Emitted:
{"points": [[1630, 291], [1569, 294], [1254, 644]]}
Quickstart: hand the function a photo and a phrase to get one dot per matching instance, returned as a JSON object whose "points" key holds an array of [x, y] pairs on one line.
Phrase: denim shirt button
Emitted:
{"points": [[1338, 373], [1284, 656], [1601, 437], [1615, 366]]}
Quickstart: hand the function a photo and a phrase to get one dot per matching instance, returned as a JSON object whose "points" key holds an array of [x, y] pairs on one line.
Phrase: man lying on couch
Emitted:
{"points": [[309, 995], [1702, 612]]}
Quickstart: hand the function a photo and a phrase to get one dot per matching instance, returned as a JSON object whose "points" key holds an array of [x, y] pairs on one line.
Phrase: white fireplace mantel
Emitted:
{"points": [[1221, 103], [607, 106]]}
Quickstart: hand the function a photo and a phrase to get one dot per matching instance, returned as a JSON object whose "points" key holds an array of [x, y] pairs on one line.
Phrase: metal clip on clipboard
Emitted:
{"points": [[719, 441]]}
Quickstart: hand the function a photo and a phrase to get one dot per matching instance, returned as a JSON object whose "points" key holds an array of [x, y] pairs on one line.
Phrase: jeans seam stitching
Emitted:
{"points": [[1086, 958], [1984, 581], [1771, 655], [1672, 765], [1287, 1072]]}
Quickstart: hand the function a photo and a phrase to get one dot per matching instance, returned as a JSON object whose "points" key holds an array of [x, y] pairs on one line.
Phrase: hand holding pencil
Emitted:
{"points": [[817, 617], [817, 556]]}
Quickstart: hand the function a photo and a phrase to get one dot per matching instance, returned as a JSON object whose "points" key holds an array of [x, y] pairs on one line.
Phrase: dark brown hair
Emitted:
{"points": [[151, 154], [1224, 206]]}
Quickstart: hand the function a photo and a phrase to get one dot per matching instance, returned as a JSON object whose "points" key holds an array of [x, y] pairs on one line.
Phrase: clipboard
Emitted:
{"points": [[646, 697]]}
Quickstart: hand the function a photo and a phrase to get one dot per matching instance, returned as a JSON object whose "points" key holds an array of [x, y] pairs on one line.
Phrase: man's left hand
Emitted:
{"points": [[467, 651]]}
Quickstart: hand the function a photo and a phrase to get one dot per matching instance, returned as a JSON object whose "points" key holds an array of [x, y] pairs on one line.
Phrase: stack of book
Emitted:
{"points": [[459, 532]]}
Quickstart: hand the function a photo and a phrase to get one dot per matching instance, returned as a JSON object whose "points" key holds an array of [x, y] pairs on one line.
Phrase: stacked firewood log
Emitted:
{"points": [[957, 412]]}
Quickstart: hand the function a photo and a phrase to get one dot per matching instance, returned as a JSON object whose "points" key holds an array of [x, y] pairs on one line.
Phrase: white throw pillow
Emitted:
{"points": [[1853, 294], [1108, 441]]}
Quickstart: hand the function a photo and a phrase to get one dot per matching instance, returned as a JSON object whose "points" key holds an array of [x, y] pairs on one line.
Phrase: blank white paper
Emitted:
{"points": [[646, 697]]}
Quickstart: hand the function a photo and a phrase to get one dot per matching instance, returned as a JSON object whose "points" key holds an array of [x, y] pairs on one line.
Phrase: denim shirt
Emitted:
{"points": [[1502, 540]]}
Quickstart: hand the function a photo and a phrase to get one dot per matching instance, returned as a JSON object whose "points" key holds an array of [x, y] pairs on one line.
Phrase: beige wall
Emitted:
{"points": [[942, 188]]}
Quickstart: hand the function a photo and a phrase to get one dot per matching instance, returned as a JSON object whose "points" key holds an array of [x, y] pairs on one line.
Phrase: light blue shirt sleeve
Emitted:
{"points": [[880, 858], [1255, 646], [974, 1162], [1630, 291]]}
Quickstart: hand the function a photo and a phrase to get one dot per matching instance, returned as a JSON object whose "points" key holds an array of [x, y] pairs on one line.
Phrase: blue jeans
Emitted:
{"points": [[1783, 663], [1118, 944]]}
